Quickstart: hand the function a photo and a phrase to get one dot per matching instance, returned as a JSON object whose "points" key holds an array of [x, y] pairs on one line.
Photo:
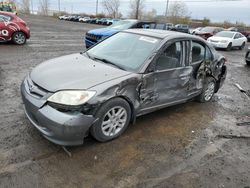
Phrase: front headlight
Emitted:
{"points": [[71, 97]]}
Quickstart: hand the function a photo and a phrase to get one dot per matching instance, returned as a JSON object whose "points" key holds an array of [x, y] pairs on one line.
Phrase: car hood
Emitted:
{"points": [[219, 38], [73, 72], [103, 31]]}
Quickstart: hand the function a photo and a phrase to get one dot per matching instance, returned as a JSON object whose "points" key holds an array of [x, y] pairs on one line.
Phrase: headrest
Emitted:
{"points": [[196, 50]]}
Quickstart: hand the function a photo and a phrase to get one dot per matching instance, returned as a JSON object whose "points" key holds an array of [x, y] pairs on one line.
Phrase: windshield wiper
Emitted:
{"points": [[87, 54], [108, 62]]}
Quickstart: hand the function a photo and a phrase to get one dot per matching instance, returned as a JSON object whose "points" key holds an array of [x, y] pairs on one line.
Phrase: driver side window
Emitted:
{"points": [[170, 58]]}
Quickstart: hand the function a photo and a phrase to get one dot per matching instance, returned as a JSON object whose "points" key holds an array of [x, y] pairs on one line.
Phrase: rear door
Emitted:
{"points": [[200, 56]]}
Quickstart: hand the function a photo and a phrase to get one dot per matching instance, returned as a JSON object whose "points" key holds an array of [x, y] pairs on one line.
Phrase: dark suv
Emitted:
{"points": [[181, 28], [96, 35]]}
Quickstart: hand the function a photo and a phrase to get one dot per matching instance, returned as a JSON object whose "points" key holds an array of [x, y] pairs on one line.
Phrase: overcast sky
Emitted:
{"points": [[216, 10]]}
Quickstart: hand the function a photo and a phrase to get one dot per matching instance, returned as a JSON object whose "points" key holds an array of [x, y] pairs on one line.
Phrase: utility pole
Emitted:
{"points": [[166, 13], [59, 6], [96, 11], [137, 9], [32, 8]]}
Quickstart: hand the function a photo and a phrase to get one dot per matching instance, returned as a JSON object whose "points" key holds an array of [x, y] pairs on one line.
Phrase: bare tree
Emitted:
{"points": [[177, 11], [25, 6], [137, 7], [44, 6], [112, 7], [150, 15]]}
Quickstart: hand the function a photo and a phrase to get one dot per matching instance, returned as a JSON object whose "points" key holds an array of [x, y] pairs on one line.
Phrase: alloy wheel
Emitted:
{"points": [[19, 38], [114, 120]]}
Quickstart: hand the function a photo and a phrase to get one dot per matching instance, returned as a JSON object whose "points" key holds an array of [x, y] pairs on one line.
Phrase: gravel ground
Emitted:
{"points": [[180, 146]]}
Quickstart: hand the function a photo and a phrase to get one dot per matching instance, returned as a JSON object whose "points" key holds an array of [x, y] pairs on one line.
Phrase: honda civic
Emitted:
{"points": [[102, 90]]}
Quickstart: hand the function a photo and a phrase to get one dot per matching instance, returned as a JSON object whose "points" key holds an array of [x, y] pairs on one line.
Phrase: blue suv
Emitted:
{"points": [[94, 36]]}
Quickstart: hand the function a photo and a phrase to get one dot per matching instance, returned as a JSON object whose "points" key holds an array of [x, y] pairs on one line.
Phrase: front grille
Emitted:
{"points": [[34, 89], [92, 37]]}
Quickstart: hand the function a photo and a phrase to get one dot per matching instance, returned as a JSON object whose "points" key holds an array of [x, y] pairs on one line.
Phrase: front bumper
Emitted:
{"points": [[61, 128], [218, 44]]}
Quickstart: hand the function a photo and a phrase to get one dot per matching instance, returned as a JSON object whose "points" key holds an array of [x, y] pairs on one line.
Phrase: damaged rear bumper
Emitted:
{"points": [[62, 128]]}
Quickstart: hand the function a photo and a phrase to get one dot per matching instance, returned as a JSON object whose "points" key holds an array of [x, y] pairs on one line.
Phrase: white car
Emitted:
{"points": [[64, 17], [85, 19], [228, 40]]}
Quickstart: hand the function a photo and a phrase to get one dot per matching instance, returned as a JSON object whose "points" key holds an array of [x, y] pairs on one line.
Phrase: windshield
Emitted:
{"points": [[128, 55], [122, 25], [208, 29], [225, 34]]}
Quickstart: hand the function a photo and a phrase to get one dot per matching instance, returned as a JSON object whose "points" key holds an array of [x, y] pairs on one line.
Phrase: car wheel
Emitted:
{"points": [[113, 120], [229, 47], [242, 46], [247, 61], [208, 90], [19, 38]]}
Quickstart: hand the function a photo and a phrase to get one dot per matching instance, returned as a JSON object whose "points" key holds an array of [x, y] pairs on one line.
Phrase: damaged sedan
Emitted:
{"points": [[132, 73]]}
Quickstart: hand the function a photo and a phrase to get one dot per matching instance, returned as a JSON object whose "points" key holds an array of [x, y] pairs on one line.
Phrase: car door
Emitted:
{"points": [[242, 39], [5, 31], [200, 56], [237, 40], [169, 81]]}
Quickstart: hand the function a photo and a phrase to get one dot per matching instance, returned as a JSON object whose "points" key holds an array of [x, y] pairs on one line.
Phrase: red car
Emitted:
{"points": [[13, 28], [207, 32]]}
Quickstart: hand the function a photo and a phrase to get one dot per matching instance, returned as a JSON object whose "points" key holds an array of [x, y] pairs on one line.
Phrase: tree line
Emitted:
{"points": [[177, 10]]}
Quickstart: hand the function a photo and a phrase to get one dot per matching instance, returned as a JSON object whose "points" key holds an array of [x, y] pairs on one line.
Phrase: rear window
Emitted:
{"points": [[159, 26]]}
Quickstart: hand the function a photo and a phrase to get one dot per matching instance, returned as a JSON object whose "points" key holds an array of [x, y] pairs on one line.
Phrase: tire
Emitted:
{"points": [[242, 46], [247, 62], [111, 111], [19, 38], [208, 90], [229, 47]]}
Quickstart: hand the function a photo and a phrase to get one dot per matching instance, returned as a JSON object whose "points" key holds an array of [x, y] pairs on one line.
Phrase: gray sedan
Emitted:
{"points": [[134, 72]]}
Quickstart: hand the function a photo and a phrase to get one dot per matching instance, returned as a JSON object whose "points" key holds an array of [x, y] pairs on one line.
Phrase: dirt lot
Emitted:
{"points": [[174, 147]]}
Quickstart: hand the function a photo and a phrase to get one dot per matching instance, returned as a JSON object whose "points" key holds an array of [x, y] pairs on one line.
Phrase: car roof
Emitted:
{"points": [[226, 31], [157, 33]]}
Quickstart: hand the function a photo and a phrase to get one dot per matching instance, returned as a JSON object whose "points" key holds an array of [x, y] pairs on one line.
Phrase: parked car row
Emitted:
{"points": [[86, 19], [169, 26], [223, 38]]}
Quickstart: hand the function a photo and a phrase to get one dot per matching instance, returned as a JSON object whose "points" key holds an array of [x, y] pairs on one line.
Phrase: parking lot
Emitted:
{"points": [[189, 145]]}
